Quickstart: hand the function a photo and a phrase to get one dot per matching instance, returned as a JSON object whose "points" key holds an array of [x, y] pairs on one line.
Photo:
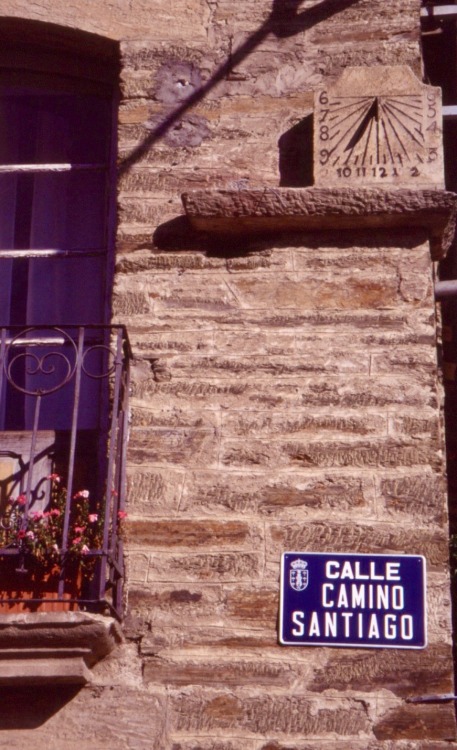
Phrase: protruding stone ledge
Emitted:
{"points": [[269, 210], [54, 647]]}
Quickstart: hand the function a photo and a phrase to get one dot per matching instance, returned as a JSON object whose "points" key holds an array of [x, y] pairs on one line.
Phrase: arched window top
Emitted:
{"points": [[33, 51]]}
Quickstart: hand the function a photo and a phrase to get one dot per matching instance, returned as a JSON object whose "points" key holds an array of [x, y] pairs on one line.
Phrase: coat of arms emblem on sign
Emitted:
{"points": [[298, 575]]}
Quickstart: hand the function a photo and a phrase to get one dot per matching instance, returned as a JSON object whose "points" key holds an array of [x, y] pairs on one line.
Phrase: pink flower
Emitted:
{"points": [[54, 512], [85, 549], [36, 516], [77, 540], [54, 478], [79, 529], [81, 493], [30, 535], [93, 517], [21, 499], [121, 515]]}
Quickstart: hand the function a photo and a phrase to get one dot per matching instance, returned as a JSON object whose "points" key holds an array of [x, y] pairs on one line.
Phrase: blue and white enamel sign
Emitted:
{"points": [[365, 601]]}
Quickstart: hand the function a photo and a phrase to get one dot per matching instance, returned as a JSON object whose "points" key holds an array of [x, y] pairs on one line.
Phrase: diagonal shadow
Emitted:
{"points": [[283, 21]]}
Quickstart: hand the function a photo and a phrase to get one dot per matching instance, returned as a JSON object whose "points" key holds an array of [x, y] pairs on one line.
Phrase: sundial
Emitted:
{"points": [[378, 126]]}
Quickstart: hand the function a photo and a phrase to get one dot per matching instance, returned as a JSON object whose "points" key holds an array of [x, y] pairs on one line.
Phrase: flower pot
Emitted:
{"points": [[37, 590]]}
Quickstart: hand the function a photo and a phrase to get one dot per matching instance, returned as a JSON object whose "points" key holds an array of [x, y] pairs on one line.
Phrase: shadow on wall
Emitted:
{"points": [[296, 155], [32, 706], [284, 20]]}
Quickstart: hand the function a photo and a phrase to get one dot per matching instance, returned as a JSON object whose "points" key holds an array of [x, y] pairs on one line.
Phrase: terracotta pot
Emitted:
{"points": [[37, 591]]}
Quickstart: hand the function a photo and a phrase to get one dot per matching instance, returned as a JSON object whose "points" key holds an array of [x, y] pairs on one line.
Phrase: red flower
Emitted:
{"points": [[121, 515]]}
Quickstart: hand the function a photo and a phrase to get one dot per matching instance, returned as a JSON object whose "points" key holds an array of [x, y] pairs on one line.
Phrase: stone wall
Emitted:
{"points": [[285, 396], [289, 401]]}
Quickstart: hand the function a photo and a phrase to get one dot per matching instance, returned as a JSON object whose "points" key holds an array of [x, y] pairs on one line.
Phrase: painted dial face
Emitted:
{"points": [[377, 138]]}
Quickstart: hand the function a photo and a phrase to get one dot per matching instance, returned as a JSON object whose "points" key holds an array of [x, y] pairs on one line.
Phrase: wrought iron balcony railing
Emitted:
{"points": [[63, 421]]}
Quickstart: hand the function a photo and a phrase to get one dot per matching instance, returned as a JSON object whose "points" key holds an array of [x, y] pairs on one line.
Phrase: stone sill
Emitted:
{"points": [[262, 211], [54, 647]]}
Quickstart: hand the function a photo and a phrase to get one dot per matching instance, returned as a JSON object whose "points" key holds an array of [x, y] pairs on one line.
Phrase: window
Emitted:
{"points": [[56, 206], [62, 367]]}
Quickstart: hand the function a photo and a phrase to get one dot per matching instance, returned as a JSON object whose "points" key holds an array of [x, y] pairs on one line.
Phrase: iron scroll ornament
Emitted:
{"points": [[43, 365], [54, 369]]}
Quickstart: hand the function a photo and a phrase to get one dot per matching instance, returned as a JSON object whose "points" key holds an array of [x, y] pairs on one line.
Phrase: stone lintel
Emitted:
{"points": [[53, 647], [262, 211]]}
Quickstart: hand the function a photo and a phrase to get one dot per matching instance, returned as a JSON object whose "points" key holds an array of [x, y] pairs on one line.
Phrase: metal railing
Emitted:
{"points": [[64, 413]]}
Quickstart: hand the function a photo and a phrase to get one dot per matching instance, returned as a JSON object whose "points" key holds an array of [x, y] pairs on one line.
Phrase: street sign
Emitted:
{"points": [[364, 601]]}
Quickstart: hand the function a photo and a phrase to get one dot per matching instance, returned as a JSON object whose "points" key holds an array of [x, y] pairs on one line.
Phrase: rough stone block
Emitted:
{"points": [[274, 424], [416, 721], [267, 493], [218, 672], [191, 446], [192, 533], [305, 293], [258, 341], [267, 367], [366, 538], [370, 453], [405, 359], [203, 743], [350, 391], [226, 639], [418, 494], [290, 714], [221, 566], [152, 490], [196, 605], [405, 673]]}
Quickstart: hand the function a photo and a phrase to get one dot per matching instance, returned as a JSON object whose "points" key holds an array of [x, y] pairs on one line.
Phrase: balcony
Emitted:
{"points": [[64, 420]]}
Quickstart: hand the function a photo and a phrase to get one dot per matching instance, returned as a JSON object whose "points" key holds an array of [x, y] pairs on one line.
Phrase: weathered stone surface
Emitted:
{"points": [[373, 323], [325, 292], [369, 453], [54, 716], [206, 744], [218, 673], [379, 538], [227, 639], [273, 423], [223, 566], [405, 359], [203, 743], [182, 446], [189, 533], [53, 648], [341, 392], [271, 493], [416, 722], [154, 490], [248, 367], [420, 494], [405, 673], [353, 745], [320, 208], [291, 715]]}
